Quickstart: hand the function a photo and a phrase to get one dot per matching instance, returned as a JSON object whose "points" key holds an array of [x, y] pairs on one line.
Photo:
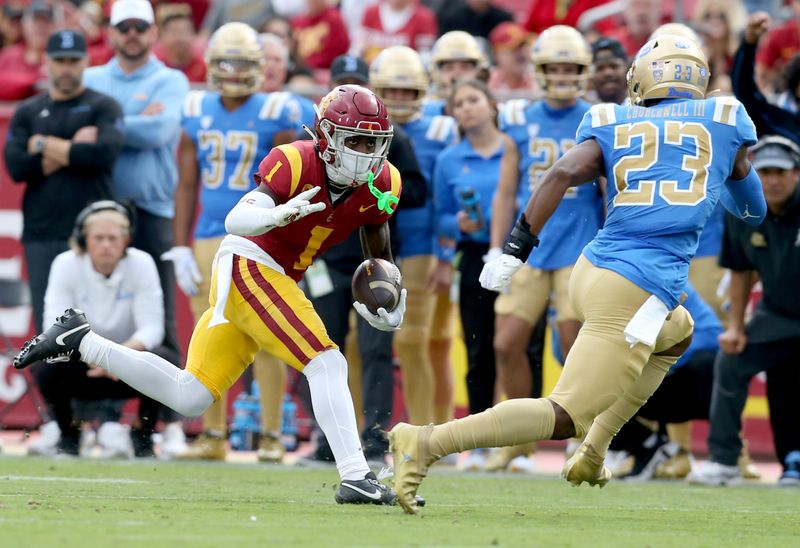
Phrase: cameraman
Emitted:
{"points": [[120, 287]]}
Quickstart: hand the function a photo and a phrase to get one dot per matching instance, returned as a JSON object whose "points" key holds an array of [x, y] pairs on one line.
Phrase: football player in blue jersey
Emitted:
{"points": [[543, 131], [669, 157], [226, 132], [423, 345], [455, 56]]}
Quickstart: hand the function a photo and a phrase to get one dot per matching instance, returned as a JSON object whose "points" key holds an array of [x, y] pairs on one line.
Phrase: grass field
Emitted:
{"points": [[85, 503]]}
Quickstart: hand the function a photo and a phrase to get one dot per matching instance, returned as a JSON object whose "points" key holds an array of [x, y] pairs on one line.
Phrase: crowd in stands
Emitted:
{"points": [[482, 107]]}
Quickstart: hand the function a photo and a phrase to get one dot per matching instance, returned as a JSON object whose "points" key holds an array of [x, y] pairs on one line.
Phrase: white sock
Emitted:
{"points": [[333, 409], [149, 374]]}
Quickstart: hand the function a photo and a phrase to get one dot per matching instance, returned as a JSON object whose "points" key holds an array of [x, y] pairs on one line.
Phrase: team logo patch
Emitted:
{"points": [[758, 240], [682, 45], [657, 67]]}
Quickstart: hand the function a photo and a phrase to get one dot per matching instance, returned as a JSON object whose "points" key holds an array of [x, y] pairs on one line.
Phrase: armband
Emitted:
{"points": [[520, 242]]}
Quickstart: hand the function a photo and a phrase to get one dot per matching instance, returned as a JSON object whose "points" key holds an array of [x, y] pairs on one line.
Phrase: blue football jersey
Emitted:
{"points": [[543, 134], [666, 166], [229, 147], [429, 135]]}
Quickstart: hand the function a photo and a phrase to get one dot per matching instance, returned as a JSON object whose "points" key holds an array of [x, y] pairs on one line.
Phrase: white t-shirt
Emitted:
{"points": [[129, 304]]}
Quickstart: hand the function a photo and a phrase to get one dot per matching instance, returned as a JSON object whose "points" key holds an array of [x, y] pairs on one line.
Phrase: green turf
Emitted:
{"points": [[151, 504]]}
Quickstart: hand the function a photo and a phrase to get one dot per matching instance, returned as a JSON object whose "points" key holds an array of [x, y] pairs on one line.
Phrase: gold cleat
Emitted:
{"points": [[586, 466], [205, 447], [411, 454], [270, 448], [678, 467]]}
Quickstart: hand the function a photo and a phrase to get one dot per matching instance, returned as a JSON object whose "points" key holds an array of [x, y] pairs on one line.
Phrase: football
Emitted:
{"points": [[377, 284]]}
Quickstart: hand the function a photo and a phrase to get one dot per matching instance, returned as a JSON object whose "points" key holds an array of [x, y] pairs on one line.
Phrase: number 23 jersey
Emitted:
{"points": [[290, 169], [666, 166]]}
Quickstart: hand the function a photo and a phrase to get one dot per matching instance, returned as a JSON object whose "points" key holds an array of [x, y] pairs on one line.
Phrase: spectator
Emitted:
{"points": [[780, 45], [353, 13], [395, 23], [63, 143], [543, 14], [770, 341], [768, 118], [276, 61], [146, 172], [462, 211], [477, 17], [11, 24], [253, 12], [119, 286], [296, 65], [641, 19], [21, 65], [511, 74], [236, 111], [329, 289], [609, 67], [177, 48], [720, 24], [320, 34]]}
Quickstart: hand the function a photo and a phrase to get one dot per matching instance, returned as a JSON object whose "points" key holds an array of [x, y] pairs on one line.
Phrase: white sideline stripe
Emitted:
{"points": [[77, 480]]}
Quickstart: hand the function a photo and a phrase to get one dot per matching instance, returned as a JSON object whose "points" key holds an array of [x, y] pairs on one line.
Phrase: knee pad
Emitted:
{"points": [[195, 397], [330, 361]]}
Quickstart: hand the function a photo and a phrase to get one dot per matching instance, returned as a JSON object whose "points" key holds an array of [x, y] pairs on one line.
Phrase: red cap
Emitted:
{"points": [[507, 36]]}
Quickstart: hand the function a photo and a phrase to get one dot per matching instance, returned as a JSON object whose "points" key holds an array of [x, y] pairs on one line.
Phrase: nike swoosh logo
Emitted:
{"points": [[60, 338], [362, 209], [375, 495]]}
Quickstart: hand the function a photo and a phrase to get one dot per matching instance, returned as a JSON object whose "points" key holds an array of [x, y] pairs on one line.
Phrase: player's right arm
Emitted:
{"points": [[272, 204]]}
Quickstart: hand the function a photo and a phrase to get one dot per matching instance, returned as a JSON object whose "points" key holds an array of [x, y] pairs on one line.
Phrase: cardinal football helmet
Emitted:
{"points": [[561, 44], [668, 66], [352, 111], [235, 60], [399, 67], [455, 45]]}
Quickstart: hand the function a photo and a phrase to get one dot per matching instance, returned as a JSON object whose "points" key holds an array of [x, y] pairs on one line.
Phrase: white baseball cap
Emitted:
{"points": [[122, 10]]}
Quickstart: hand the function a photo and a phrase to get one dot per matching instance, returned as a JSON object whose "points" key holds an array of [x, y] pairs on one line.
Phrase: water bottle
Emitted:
{"points": [[289, 423], [471, 204], [246, 424]]}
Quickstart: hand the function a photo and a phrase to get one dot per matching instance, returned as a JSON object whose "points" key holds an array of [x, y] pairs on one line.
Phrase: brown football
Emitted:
{"points": [[377, 284]]}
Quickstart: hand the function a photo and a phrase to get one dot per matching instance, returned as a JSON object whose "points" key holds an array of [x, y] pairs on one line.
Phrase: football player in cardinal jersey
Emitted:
{"points": [[225, 133], [310, 196]]}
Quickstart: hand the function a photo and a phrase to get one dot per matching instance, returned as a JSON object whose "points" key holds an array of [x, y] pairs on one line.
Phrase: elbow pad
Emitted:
{"points": [[745, 198], [520, 242]]}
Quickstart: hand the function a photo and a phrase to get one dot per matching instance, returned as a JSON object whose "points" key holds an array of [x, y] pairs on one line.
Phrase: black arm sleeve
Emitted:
{"points": [[22, 167], [110, 138], [401, 155], [769, 119], [732, 253]]}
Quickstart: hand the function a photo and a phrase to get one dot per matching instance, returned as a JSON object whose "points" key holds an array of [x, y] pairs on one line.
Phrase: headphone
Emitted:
{"points": [[78, 234]]}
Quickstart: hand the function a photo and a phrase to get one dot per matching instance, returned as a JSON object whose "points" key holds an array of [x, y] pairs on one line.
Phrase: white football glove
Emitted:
{"points": [[383, 320], [496, 274], [187, 274], [296, 208]]}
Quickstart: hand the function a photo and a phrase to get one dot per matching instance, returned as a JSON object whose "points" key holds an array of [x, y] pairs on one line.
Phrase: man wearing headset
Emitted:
{"points": [[120, 286], [770, 340]]}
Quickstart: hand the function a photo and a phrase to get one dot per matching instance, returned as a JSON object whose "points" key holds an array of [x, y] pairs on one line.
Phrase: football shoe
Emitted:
{"points": [[58, 344]]}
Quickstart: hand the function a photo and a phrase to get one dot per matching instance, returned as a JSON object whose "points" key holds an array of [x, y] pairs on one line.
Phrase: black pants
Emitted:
{"points": [[684, 395], [732, 375], [153, 235], [476, 307], [63, 383], [377, 369], [39, 256]]}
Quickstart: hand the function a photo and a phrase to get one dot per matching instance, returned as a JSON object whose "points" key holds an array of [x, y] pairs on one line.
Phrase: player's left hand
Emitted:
{"points": [[383, 320], [496, 273]]}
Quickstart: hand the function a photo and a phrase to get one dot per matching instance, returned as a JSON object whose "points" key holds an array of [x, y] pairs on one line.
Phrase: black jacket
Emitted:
{"points": [[51, 203]]}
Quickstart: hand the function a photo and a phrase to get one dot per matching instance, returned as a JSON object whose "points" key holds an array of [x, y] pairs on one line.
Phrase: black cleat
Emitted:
{"points": [[365, 491], [58, 344]]}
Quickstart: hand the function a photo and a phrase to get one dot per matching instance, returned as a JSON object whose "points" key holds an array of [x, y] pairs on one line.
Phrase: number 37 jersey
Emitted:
{"points": [[666, 166]]}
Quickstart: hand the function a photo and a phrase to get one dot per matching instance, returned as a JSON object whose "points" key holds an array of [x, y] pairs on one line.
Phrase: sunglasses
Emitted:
{"points": [[125, 26]]}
